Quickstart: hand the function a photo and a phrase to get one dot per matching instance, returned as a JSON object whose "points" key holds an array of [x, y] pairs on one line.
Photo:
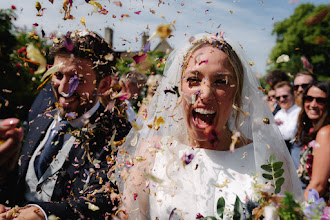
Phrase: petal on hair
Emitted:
{"points": [[68, 44]]}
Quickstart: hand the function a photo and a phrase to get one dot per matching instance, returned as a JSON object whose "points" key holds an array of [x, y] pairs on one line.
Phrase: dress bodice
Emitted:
{"points": [[191, 190]]}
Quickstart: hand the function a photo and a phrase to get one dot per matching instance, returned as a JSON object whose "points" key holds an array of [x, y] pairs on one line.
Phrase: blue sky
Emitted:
{"points": [[250, 23]]}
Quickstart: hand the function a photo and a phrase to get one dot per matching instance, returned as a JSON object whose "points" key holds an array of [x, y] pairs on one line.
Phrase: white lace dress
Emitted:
{"points": [[192, 190]]}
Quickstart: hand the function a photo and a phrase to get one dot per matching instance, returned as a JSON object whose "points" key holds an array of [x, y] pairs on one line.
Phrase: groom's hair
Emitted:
{"points": [[89, 45]]}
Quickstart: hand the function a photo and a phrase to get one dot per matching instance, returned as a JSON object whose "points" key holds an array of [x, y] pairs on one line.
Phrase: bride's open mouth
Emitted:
{"points": [[203, 118]]}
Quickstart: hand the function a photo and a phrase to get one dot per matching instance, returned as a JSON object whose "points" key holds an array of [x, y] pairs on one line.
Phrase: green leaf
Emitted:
{"points": [[221, 206], [277, 165], [238, 209], [277, 190], [278, 173], [272, 158], [279, 182], [268, 168], [209, 218], [267, 176]]}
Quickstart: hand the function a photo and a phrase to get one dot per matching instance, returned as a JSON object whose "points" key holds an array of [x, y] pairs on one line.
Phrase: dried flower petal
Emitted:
{"points": [[139, 59], [34, 54]]}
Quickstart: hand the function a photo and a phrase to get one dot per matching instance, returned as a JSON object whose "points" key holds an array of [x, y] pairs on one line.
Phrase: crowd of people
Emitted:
{"points": [[95, 150], [301, 110]]}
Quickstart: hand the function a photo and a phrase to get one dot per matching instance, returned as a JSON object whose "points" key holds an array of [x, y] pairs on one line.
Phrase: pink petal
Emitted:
{"points": [[139, 59]]}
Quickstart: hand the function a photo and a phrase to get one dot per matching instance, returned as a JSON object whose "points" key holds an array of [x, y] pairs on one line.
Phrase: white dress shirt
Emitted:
{"points": [[289, 120]]}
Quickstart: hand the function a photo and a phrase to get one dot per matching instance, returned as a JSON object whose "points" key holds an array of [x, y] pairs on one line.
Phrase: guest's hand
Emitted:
{"points": [[26, 213], [10, 144]]}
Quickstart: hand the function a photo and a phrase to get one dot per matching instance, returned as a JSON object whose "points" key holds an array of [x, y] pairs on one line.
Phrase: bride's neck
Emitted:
{"points": [[221, 144]]}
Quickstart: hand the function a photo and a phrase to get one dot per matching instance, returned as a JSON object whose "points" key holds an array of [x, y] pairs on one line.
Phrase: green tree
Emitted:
{"points": [[303, 34], [18, 84]]}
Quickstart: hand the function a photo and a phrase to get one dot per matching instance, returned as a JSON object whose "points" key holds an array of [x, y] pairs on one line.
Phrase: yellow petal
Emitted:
{"points": [[162, 31], [52, 70], [92, 206], [82, 21], [158, 122], [34, 54]]}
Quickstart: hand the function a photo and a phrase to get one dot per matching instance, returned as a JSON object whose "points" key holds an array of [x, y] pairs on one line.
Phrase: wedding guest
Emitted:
{"points": [[152, 84], [314, 136], [132, 83], [205, 140], [65, 165], [272, 103], [287, 117], [276, 76], [300, 83]]}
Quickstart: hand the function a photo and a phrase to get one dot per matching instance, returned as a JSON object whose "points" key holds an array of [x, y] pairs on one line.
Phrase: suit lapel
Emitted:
{"points": [[37, 130]]}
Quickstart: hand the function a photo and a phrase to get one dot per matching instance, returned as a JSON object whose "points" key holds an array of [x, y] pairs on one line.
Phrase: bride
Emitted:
{"points": [[207, 134]]}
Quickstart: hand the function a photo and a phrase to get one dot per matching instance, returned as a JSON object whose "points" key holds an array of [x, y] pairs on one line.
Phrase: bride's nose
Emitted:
{"points": [[206, 92]]}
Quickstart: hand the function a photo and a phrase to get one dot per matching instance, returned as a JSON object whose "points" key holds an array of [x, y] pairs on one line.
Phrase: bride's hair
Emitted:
{"points": [[235, 63]]}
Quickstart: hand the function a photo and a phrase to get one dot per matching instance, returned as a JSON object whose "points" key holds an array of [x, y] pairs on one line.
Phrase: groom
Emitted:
{"points": [[66, 164]]}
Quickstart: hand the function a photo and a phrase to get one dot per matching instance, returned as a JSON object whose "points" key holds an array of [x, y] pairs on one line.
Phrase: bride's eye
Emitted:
{"points": [[193, 81], [222, 81]]}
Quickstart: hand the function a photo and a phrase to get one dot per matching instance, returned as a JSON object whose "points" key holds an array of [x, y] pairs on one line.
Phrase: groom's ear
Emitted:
{"points": [[104, 85]]}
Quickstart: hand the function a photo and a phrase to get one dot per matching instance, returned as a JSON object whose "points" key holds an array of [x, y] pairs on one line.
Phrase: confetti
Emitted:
{"points": [[163, 31], [234, 140], [139, 58], [231, 12], [118, 3], [284, 58], [92, 206], [52, 70], [82, 21], [265, 120], [186, 159], [137, 12], [221, 185], [34, 54], [158, 121], [251, 63]]}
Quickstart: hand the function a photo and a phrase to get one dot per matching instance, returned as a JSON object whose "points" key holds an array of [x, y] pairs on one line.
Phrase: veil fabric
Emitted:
{"points": [[166, 119]]}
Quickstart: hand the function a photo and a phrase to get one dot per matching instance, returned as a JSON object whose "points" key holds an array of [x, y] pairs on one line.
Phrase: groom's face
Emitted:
{"points": [[84, 96]]}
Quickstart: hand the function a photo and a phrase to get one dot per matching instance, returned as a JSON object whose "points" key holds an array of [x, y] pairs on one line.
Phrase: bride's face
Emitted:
{"points": [[208, 88]]}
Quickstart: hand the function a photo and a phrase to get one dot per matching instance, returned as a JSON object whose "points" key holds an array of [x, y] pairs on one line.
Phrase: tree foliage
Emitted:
{"points": [[18, 84], [303, 34]]}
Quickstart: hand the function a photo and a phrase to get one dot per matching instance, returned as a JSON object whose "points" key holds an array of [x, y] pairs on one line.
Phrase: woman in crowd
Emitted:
{"points": [[208, 134], [314, 135]]}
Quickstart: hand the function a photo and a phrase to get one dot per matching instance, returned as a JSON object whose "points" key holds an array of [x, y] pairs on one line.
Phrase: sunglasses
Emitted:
{"points": [[279, 97], [319, 100], [303, 86], [271, 97]]}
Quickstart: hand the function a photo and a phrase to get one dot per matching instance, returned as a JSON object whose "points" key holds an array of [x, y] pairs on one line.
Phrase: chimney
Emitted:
{"points": [[145, 37], [108, 37]]}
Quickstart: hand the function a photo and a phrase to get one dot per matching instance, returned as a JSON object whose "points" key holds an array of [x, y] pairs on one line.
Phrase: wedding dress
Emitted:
{"points": [[194, 189]]}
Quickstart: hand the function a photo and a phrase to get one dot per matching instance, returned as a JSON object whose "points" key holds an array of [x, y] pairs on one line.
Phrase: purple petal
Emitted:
{"points": [[74, 82], [68, 44], [313, 195], [146, 47], [187, 159], [172, 213]]}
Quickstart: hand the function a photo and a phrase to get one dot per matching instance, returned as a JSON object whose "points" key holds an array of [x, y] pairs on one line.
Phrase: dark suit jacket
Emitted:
{"points": [[71, 195], [44, 100]]}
